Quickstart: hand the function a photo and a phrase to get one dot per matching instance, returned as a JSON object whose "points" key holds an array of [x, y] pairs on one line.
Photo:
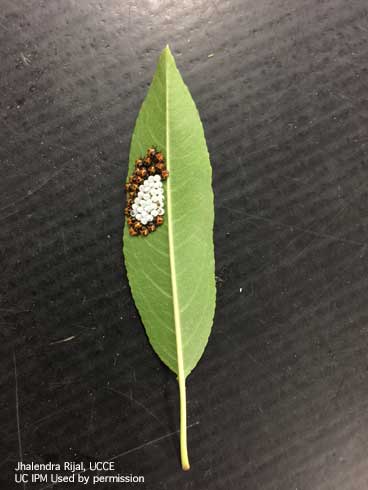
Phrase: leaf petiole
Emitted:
{"points": [[183, 425]]}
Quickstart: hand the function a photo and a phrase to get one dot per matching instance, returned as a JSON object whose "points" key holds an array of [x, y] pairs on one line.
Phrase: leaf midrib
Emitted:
{"points": [[176, 305]]}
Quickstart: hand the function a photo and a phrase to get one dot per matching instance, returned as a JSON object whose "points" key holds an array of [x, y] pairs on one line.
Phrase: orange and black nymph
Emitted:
{"points": [[145, 194]]}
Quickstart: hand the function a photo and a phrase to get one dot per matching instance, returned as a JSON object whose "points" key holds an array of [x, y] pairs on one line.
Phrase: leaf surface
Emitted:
{"points": [[171, 271]]}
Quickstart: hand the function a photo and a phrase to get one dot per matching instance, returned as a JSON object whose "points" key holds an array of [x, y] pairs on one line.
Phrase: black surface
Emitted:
{"points": [[279, 399]]}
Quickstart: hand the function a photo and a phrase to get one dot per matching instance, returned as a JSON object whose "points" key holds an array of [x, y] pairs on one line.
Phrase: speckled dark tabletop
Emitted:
{"points": [[279, 400]]}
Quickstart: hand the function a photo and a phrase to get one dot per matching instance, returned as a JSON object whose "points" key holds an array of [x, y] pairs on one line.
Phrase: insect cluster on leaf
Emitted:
{"points": [[144, 194]]}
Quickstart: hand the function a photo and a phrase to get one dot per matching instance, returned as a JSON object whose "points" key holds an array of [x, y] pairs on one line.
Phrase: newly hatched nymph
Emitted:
{"points": [[145, 194]]}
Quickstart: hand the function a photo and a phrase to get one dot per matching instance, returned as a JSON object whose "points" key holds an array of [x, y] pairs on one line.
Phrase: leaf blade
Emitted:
{"points": [[181, 257]]}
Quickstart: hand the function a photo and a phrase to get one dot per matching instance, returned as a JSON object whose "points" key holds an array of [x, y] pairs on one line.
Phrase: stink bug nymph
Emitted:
{"points": [[145, 194]]}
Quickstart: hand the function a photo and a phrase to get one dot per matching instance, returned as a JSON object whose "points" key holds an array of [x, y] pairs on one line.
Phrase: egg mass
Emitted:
{"points": [[145, 198]]}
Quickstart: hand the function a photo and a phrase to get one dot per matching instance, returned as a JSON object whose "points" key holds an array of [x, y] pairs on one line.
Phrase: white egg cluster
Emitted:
{"points": [[149, 202]]}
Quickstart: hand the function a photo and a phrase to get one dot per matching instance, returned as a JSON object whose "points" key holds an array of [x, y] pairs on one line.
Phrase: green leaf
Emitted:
{"points": [[171, 271]]}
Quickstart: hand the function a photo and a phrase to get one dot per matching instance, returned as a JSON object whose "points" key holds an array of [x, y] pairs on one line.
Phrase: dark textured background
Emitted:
{"points": [[280, 399]]}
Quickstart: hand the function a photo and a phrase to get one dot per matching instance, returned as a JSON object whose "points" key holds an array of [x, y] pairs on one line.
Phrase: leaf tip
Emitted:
{"points": [[166, 52]]}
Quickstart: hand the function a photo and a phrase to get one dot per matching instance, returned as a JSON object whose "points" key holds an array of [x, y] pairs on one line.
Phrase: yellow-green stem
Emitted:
{"points": [[183, 425], [175, 296]]}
